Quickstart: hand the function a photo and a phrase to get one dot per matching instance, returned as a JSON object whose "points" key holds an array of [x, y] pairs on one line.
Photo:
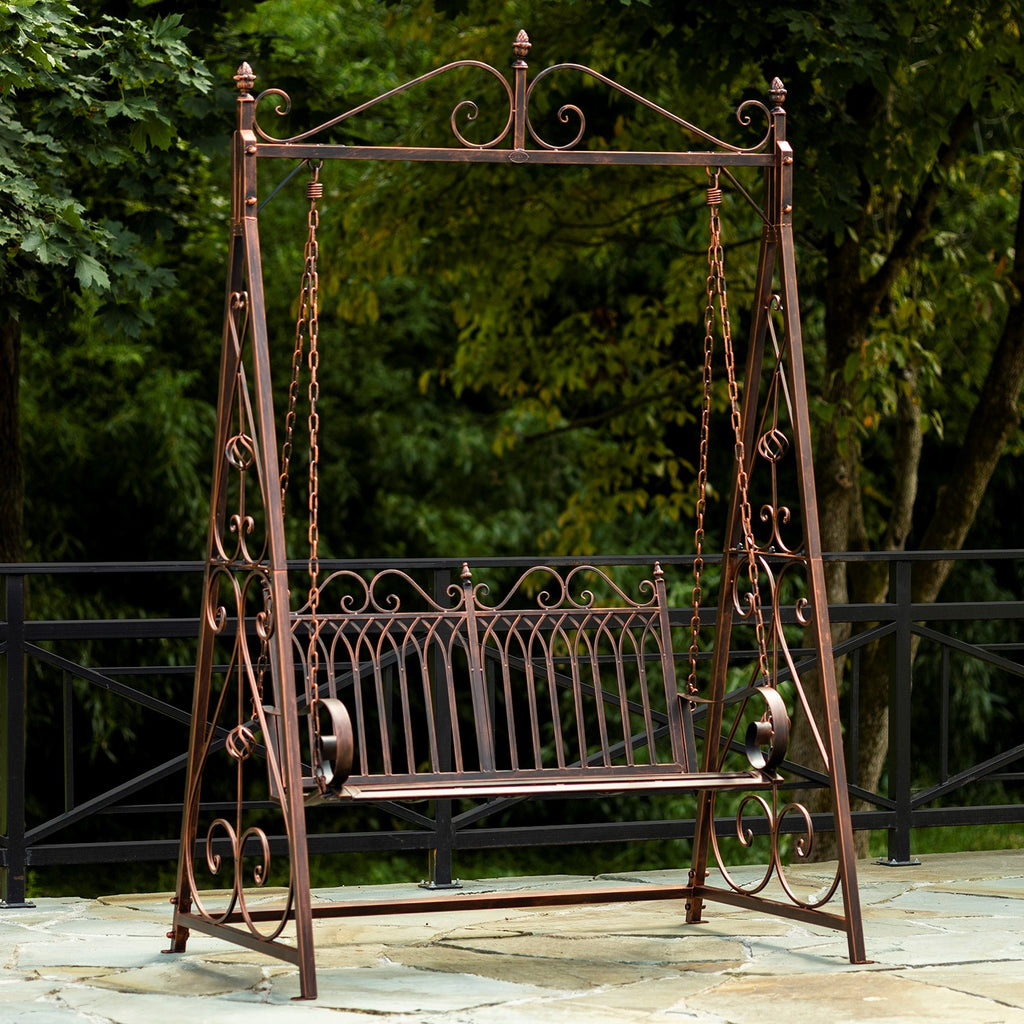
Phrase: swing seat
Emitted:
{"points": [[561, 695]]}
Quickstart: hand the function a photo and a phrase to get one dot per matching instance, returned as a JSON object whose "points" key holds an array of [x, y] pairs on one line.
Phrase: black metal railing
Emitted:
{"points": [[86, 784]]}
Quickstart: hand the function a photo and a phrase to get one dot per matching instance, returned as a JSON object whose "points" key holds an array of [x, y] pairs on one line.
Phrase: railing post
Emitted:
{"points": [[440, 863], [900, 691], [12, 746]]}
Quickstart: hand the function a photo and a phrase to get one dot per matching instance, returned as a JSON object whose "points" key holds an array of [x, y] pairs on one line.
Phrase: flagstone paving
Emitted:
{"points": [[946, 940]]}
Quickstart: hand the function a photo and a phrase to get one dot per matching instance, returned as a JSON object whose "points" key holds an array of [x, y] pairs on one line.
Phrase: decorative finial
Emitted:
{"points": [[521, 47], [777, 93], [465, 575], [244, 78]]}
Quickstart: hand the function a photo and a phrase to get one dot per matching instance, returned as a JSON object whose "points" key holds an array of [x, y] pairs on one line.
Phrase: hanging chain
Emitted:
{"points": [[305, 322], [714, 197], [717, 290], [314, 191]]}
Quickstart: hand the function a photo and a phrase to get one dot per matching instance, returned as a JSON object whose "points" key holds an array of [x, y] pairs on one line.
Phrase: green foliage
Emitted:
{"points": [[97, 186], [91, 219], [78, 100], [575, 298], [552, 336], [563, 328], [511, 357]]}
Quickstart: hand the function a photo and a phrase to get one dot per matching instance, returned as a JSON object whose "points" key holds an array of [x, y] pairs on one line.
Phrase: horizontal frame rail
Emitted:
{"points": [[328, 151]]}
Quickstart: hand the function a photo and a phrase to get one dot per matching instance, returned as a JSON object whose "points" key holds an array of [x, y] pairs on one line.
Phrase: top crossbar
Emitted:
{"points": [[510, 143]]}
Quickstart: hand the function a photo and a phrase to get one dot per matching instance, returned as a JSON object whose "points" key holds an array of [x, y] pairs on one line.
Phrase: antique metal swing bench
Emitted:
{"points": [[565, 684]]}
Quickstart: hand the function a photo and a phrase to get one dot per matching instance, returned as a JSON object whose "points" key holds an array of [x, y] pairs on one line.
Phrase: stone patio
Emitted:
{"points": [[946, 939]]}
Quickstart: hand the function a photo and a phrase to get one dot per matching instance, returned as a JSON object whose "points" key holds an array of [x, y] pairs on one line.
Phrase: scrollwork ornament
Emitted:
{"points": [[282, 109], [260, 875], [214, 862], [264, 618], [776, 519], [216, 613], [745, 836], [261, 871], [241, 743], [244, 527], [565, 114], [569, 111], [240, 452], [773, 445], [743, 118], [775, 865], [468, 108], [804, 844], [471, 111]]}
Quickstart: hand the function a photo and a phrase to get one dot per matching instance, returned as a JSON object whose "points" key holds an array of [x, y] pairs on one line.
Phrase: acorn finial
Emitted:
{"points": [[777, 93], [244, 78], [521, 47]]}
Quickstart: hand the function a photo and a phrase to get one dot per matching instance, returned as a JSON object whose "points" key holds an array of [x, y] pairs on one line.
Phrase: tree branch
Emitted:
{"points": [[995, 417], [918, 222], [593, 420], [907, 446]]}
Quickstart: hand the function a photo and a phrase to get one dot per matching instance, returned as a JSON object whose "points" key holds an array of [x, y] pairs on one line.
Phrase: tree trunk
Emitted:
{"points": [[12, 479], [994, 419]]}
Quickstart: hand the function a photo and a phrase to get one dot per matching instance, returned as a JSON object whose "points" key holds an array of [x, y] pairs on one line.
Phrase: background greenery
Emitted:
{"points": [[511, 362]]}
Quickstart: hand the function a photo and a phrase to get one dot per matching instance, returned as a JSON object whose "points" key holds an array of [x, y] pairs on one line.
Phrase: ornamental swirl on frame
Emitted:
{"points": [[541, 587], [516, 115], [240, 727], [775, 828]]}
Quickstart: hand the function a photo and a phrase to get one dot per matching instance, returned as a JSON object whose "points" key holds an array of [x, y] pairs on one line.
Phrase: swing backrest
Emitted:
{"points": [[566, 679]]}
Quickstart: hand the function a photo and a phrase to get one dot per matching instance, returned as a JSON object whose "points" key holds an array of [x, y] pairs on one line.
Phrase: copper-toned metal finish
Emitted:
{"points": [[564, 689], [565, 682]]}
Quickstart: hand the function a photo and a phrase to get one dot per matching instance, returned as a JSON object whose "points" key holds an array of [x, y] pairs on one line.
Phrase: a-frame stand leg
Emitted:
{"points": [[817, 593], [199, 738], [246, 609], [777, 253]]}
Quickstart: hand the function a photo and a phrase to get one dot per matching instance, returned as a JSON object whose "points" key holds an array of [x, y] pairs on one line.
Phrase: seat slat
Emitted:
{"points": [[568, 782]]}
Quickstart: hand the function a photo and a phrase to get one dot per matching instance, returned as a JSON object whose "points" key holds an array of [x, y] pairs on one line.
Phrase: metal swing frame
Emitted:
{"points": [[247, 604]]}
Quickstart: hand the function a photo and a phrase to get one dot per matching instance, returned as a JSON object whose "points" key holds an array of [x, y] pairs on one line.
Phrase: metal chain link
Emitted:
{"points": [[717, 290], [306, 314], [314, 191], [307, 325], [702, 469]]}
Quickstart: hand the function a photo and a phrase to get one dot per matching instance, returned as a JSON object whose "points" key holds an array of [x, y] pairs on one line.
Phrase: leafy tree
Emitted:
{"points": [[923, 328], [576, 299], [85, 99], [514, 355]]}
